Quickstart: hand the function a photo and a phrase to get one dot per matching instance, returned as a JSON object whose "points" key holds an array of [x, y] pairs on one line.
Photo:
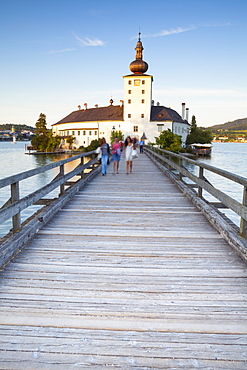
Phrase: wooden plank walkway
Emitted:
{"points": [[129, 275]]}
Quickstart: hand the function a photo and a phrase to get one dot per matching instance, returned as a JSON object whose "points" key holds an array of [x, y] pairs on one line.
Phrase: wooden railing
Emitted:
{"points": [[174, 163], [66, 189]]}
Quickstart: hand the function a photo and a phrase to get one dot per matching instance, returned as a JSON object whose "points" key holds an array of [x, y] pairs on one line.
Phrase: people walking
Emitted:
{"points": [[141, 143], [116, 154], [104, 155], [128, 154]]}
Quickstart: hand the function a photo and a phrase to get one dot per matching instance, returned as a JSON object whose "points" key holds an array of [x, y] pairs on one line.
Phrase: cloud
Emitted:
{"points": [[170, 32], [182, 29], [89, 42], [60, 51]]}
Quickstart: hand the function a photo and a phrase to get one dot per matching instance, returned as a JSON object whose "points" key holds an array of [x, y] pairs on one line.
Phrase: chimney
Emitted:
{"points": [[183, 110], [85, 106], [121, 103], [79, 107], [187, 114], [96, 105]]}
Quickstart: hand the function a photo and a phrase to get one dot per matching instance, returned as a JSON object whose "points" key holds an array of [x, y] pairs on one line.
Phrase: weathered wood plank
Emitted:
{"points": [[128, 274]]}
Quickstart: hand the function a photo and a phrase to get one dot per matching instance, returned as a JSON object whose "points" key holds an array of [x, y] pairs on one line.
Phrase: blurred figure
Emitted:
{"points": [[104, 155], [128, 154], [116, 153]]}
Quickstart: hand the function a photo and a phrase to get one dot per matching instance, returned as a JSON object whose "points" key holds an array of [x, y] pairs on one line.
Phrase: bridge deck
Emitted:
{"points": [[128, 275]]}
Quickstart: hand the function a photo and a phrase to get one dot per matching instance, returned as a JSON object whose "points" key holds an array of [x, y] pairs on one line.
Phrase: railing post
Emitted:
{"points": [[15, 196], [180, 165], [61, 173], [200, 177], [82, 163], [243, 223]]}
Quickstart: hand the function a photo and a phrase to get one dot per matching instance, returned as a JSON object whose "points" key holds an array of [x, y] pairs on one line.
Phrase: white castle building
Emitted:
{"points": [[136, 115]]}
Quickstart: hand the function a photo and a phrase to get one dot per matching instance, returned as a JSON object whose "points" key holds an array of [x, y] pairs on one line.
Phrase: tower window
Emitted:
{"points": [[129, 115], [130, 82], [79, 133], [143, 82], [84, 132], [135, 128], [142, 115], [143, 101], [73, 133], [90, 133], [95, 133], [143, 91], [129, 101], [129, 91]]}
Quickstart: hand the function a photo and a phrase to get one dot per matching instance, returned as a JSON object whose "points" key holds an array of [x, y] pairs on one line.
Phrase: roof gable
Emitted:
{"points": [[160, 113]]}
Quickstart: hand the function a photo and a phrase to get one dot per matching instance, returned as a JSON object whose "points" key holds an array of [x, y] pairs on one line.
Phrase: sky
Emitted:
{"points": [[58, 54]]}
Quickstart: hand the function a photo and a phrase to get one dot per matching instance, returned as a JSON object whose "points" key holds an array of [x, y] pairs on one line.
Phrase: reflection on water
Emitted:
{"points": [[13, 160]]}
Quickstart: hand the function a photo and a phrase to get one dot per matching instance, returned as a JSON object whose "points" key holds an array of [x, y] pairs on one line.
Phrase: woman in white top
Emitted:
{"points": [[128, 154]]}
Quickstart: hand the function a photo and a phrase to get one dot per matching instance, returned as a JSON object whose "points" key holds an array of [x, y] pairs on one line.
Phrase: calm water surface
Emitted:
{"points": [[231, 157], [13, 160], [228, 156]]}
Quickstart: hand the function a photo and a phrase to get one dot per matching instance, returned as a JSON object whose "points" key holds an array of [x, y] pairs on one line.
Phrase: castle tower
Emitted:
{"points": [[137, 95]]}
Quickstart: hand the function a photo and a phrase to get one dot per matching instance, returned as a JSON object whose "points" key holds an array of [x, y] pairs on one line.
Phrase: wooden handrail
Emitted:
{"points": [[13, 207], [202, 183]]}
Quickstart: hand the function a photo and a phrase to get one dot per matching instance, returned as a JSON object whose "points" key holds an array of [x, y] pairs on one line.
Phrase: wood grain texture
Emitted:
{"points": [[128, 275]]}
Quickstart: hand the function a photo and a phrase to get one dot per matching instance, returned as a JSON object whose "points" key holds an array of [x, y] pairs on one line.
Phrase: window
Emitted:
{"points": [[67, 133], [143, 101], [130, 82], [129, 91], [135, 128], [95, 133], [129, 115], [84, 132], [79, 133], [90, 133], [129, 101], [137, 82], [143, 82], [142, 115], [143, 91], [160, 128], [73, 133]]}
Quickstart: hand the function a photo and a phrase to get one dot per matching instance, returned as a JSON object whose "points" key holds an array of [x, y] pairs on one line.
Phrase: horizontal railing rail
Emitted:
{"points": [[15, 204], [174, 162]]}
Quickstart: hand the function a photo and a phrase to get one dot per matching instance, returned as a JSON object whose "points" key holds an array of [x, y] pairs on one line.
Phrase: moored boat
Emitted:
{"points": [[201, 149]]}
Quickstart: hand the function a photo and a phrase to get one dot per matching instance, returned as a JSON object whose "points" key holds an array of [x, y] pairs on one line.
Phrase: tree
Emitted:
{"points": [[44, 140], [169, 141], [70, 141], [114, 134], [198, 135]]}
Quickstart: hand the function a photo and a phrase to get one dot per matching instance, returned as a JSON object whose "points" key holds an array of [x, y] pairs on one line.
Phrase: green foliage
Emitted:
{"points": [[44, 140], [169, 141], [8, 126], [93, 145], [116, 133], [198, 135], [70, 141]]}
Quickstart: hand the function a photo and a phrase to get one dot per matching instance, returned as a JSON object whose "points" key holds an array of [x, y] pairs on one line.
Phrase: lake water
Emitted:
{"points": [[231, 157], [228, 156], [13, 160]]}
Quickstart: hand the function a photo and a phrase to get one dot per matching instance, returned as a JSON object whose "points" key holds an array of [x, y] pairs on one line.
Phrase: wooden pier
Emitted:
{"points": [[128, 275]]}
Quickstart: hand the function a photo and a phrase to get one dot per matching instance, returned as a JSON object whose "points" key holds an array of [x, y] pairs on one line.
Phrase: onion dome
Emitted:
{"points": [[138, 65]]}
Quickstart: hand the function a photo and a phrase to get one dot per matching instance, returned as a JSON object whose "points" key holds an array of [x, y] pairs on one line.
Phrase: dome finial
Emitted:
{"points": [[138, 65]]}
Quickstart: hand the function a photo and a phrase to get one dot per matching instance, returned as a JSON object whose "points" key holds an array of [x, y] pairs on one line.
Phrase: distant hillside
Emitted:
{"points": [[8, 126], [238, 124]]}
